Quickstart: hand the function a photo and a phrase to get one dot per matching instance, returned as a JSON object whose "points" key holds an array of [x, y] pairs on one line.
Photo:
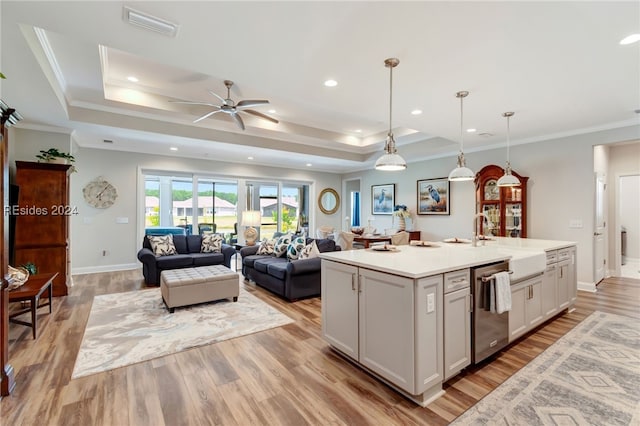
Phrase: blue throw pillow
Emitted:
{"points": [[295, 248], [282, 243]]}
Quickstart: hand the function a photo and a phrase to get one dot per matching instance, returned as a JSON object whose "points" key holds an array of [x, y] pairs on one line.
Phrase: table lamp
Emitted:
{"points": [[251, 218]]}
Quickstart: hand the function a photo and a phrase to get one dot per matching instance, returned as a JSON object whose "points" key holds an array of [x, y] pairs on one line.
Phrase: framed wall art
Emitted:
{"points": [[433, 196], [383, 198]]}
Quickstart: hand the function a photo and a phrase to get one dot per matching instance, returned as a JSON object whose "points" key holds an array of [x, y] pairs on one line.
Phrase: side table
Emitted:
{"points": [[31, 291], [238, 247]]}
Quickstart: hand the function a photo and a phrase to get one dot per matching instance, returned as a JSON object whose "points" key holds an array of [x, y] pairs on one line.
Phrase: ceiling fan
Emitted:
{"points": [[229, 106]]}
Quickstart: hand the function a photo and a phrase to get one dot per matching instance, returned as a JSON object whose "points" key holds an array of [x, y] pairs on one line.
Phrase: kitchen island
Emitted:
{"points": [[386, 310]]}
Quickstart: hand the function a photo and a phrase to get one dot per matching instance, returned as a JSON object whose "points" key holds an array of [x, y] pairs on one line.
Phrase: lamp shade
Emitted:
{"points": [[460, 174], [251, 218], [391, 162], [508, 180]]}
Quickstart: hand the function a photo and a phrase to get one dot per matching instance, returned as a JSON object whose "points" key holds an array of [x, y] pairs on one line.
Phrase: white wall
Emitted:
{"points": [[94, 230], [560, 189]]}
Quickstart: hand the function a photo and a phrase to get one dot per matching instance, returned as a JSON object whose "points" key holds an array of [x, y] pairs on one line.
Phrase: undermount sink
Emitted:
{"points": [[525, 263]]}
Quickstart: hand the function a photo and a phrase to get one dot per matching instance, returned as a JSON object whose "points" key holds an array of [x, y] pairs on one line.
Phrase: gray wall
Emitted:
{"points": [[560, 190], [95, 230]]}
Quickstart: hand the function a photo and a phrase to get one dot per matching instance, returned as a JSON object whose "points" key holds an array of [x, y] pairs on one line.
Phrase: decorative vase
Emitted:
{"points": [[402, 224]]}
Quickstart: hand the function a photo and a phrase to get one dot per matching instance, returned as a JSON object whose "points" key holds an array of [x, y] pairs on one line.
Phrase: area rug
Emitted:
{"points": [[590, 376], [126, 328]]}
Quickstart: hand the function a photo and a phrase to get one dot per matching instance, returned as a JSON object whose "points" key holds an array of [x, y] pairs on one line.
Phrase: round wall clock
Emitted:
{"points": [[100, 194]]}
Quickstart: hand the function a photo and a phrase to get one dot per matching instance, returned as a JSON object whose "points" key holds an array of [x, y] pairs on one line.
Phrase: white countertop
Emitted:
{"points": [[417, 262]]}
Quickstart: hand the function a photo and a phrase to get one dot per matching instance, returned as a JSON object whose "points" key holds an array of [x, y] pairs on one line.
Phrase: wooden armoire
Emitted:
{"points": [[42, 224]]}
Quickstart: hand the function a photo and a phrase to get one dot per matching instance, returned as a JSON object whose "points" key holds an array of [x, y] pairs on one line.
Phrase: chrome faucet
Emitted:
{"points": [[476, 228]]}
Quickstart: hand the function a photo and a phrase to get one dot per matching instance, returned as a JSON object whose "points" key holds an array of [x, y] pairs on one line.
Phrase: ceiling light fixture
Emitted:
{"points": [[149, 22], [630, 39], [508, 179], [461, 172], [173, 148], [331, 83], [390, 160], [132, 79], [416, 112], [471, 130]]}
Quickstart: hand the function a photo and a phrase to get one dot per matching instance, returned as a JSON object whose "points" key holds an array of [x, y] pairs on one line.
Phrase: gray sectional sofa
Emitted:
{"points": [[293, 280]]}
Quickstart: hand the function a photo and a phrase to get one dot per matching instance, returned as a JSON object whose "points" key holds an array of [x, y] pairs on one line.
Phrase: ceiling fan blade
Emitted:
{"points": [[224, 101], [195, 103], [261, 115], [251, 103], [206, 116], [238, 120]]}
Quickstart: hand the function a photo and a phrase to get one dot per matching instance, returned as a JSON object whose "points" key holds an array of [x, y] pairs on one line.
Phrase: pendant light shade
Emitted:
{"points": [[508, 179], [390, 160], [461, 172]]}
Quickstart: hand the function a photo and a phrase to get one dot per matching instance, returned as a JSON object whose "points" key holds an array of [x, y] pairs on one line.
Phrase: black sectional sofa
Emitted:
{"points": [[189, 256], [293, 280]]}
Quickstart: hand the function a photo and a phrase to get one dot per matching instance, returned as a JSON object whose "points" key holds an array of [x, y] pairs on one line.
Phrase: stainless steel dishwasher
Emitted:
{"points": [[489, 331]]}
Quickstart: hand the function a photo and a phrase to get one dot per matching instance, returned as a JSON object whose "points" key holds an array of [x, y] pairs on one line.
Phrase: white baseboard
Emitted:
{"points": [[584, 286], [105, 268]]}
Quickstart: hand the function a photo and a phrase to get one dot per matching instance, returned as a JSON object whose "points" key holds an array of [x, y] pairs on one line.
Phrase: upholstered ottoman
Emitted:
{"points": [[188, 286]]}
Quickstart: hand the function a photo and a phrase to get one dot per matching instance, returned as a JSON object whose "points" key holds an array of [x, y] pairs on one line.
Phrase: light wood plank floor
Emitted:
{"points": [[283, 376]]}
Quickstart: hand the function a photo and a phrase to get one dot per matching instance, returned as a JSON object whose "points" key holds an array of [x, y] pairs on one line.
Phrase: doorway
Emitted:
{"points": [[628, 206]]}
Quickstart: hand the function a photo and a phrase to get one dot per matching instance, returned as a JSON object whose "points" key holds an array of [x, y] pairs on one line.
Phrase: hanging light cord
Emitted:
{"points": [[390, 97], [461, 126], [508, 139]]}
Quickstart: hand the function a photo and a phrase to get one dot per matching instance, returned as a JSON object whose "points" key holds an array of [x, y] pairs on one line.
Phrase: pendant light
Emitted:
{"points": [[390, 160], [508, 179], [461, 172]]}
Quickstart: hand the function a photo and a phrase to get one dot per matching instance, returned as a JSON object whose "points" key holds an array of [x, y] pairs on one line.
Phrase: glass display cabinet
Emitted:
{"points": [[505, 208]]}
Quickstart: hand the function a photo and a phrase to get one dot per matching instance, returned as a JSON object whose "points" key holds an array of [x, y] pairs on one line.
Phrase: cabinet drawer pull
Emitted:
{"points": [[459, 280]]}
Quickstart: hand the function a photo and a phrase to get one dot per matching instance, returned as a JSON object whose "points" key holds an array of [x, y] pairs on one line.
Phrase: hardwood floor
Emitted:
{"points": [[282, 376]]}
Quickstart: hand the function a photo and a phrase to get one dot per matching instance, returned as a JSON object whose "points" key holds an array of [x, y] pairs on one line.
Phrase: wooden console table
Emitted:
{"points": [[31, 291]]}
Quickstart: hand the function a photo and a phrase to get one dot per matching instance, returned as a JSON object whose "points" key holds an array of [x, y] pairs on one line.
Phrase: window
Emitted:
{"points": [[170, 201], [283, 206]]}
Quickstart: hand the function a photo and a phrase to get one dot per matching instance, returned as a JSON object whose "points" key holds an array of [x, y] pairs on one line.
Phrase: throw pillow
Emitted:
{"points": [[309, 251], [211, 243], [295, 248], [266, 247], [282, 243], [162, 245]]}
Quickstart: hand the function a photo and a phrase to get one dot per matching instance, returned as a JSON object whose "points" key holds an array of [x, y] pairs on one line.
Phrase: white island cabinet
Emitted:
{"points": [[404, 316], [388, 324]]}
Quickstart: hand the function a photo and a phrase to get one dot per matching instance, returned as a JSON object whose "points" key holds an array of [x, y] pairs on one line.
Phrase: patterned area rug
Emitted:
{"points": [[126, 328], [591, 376]]}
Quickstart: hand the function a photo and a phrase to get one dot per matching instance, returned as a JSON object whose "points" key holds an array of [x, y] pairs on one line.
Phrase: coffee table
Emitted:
{"points": [[31, 291]]}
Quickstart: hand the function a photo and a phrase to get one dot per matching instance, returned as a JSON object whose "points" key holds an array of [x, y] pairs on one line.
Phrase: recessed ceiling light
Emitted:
{"points": [[132, 79], [630, 39], [249, 158], [331, 83], [173, 148], [309, 164], [272, 111], [471, 130], [358, 130], [416, 112]]}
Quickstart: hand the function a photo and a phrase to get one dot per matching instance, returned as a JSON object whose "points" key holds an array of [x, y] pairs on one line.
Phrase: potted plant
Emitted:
{"points": [[53, 155]]}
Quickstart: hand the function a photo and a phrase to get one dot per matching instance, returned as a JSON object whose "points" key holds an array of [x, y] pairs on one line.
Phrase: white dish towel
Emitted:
{"points": [[503, 292]]}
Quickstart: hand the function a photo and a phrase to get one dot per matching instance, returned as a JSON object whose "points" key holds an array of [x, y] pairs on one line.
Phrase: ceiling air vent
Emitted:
{"points": [[148, 22]]}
